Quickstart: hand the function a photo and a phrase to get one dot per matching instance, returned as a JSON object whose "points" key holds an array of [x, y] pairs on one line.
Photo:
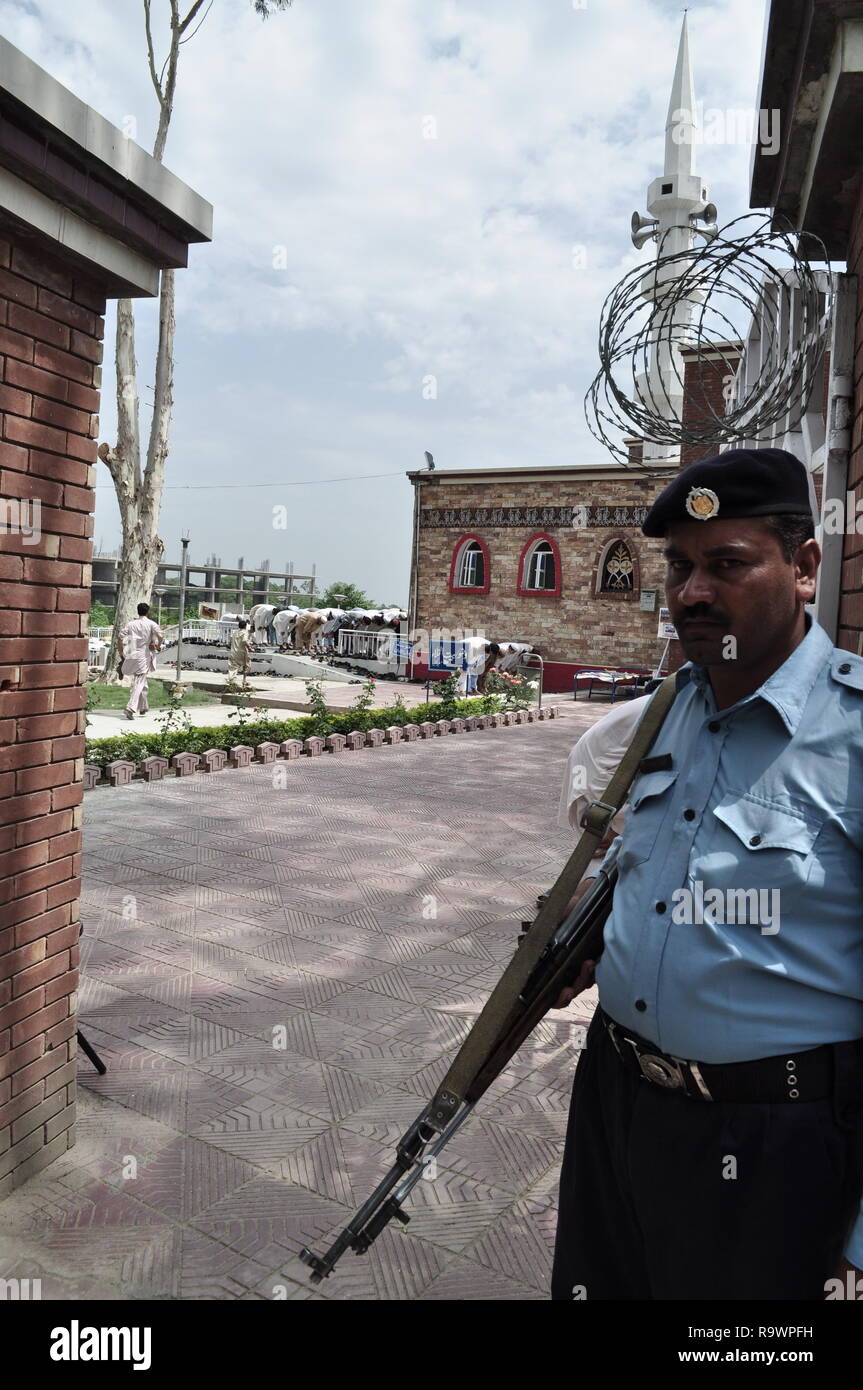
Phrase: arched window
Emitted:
{"points": [[470, 571], [617, 573], [539, 567]]}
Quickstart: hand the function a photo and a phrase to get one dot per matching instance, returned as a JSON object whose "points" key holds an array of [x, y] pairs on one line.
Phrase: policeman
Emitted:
{"points": [[714, 1140]]}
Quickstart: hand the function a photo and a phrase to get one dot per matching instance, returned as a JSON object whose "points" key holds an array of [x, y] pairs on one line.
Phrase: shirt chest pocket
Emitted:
{"points": [[648, 806], [777, 840]]}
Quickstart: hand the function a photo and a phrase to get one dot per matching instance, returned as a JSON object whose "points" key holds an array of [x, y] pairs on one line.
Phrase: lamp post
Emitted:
{"points": [[185, 560]]}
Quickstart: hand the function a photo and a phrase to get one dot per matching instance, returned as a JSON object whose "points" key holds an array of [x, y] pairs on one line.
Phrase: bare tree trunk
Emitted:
{"points": [[139, 495]]}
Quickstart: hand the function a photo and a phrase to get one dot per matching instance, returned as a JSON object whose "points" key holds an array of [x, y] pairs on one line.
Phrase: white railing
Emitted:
{"points": [[201, 630], [366, 646], [103, 633]]}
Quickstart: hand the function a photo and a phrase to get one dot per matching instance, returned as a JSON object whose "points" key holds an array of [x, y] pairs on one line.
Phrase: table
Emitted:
{"points": [[627, 679]]}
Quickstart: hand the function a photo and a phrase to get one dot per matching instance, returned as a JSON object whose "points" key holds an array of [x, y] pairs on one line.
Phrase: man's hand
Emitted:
{"points": [[585, 974], [584, 981]]}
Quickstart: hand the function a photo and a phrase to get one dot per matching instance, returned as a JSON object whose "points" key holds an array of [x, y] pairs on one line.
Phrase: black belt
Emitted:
{"points": [[801, 1076]]}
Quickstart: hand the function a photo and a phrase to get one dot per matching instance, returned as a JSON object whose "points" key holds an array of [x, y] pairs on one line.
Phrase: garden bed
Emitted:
{"points": [[126, 756]]}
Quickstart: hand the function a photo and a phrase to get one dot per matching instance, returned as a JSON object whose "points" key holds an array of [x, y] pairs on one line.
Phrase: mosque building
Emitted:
{"points": [[555, 556]]}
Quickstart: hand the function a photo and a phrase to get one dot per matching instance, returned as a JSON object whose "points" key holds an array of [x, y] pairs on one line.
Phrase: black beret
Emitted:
{"points": [[739, 483]]}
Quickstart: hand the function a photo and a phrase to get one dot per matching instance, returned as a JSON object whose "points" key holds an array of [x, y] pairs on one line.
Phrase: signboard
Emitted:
{"points": [[211, 611], [666, 626], [648, 601], [403, 649], [447, 655]]}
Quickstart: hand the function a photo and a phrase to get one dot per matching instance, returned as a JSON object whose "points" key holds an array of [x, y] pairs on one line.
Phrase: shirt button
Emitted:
{"points": [[756, 839], [689, 815], [714, 726], [660, 907], [640, 1005], [844, 668]]}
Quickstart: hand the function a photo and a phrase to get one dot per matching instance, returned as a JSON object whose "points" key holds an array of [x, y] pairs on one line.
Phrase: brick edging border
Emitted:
{"points": [[120, 772]]}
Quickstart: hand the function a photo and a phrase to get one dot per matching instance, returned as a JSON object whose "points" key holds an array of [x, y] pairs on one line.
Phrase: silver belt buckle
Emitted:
{"points": [[660, 1070]]}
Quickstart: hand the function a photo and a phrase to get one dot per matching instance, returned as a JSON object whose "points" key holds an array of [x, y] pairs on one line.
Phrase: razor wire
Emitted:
{"points": [[684, 302]]}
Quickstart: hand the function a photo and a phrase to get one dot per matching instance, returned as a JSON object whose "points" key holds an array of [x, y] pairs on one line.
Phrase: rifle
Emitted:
{"points": [[577, 939], [548, 958]]}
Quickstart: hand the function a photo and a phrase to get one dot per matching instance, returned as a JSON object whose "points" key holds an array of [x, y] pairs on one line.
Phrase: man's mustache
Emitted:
{"points": [[702, 613]]}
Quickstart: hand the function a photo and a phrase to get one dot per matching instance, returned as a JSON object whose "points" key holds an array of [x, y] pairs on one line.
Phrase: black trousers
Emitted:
{"points": [[665, 1197]]}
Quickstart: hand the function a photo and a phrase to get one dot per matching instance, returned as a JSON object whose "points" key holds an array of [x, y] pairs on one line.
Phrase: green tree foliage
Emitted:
{"points": [[101, 615], [352, 596]]}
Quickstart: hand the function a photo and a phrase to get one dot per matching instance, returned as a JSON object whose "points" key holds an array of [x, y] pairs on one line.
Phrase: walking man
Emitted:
{"points": [[138, 643], [240, 654], [715, 1140]]}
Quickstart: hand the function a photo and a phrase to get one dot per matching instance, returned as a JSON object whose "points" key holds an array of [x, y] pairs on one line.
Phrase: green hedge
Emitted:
{"points": [[134, 747]]}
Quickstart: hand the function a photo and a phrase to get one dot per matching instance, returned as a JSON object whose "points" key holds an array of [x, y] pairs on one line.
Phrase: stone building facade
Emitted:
{"points": [[601, 581], [590, 519], [84, 215]]}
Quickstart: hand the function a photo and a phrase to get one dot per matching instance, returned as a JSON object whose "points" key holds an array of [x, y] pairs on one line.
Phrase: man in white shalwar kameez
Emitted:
{"points": [[139, 642], [240, 654]]}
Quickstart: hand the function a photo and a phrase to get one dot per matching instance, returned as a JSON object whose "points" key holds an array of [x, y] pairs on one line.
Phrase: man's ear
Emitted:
{"points": [[806, 563]]}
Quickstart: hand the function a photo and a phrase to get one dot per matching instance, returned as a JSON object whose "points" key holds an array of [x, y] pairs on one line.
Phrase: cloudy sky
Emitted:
{"points": [[420, 206]]}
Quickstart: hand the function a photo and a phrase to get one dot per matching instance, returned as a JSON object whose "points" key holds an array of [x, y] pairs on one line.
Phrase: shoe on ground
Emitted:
{"points": [[130, 714]]}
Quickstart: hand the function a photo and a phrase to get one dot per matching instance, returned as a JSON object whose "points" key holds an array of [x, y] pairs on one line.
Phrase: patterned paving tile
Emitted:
{"points": [[187, 1037], [153, 1086], [263, 1133], [523, 1248], [464, 1281], [187, 1176], [269, 1220], [365, 921], [397, 1267]]}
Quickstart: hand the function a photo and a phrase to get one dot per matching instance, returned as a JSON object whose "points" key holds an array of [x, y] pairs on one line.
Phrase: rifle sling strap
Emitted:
{"points": [[487, 1029]]}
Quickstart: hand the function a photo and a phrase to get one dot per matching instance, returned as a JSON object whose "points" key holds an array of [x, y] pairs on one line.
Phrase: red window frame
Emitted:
{"points": [[457, 549], [522, 588]]}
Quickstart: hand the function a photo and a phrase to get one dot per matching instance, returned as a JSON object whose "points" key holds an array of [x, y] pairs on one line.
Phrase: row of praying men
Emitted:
{"points": [[314, 629]]}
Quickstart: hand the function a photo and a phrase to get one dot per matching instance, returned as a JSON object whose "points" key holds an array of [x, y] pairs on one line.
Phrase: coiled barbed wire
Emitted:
{"points": [[764, 271]]}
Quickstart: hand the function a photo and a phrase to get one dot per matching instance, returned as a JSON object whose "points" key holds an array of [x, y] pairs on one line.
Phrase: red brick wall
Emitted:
{"points": [[850, 628], [50, 347], [704, 381]]}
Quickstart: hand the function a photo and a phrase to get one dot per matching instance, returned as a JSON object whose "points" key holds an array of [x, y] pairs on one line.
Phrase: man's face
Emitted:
{"points": [[731, 593]]}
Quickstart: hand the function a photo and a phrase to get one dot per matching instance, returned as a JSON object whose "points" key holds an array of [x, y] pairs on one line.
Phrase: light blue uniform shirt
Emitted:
{"points": [[764, 795]]}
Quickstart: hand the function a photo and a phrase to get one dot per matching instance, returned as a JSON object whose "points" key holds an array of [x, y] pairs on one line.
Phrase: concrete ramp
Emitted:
{"points": [[307, 669], [206, 656]]}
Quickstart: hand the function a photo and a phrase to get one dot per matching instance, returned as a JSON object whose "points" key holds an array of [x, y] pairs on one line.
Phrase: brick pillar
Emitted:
{"points": [[850, 627], [50, 346]]}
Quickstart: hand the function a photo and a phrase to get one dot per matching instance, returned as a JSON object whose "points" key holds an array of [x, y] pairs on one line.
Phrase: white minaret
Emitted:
{"points": [[677, 201]]}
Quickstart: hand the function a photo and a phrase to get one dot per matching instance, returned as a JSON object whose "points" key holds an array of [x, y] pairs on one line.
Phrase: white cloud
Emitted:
{"points": [[403, 256]]}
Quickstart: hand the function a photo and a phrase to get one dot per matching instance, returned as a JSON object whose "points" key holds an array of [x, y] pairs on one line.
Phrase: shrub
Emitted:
{"points": [[135, 747], [362, 714], [447, 693], [516, 692], [320, 717]]}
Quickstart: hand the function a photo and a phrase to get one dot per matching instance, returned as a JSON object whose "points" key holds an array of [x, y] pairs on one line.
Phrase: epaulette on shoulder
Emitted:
{"points": [[847, 669]]}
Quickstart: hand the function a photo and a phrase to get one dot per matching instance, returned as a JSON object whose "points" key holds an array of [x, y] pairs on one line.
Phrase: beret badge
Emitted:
{"points": [[702, 503]]}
